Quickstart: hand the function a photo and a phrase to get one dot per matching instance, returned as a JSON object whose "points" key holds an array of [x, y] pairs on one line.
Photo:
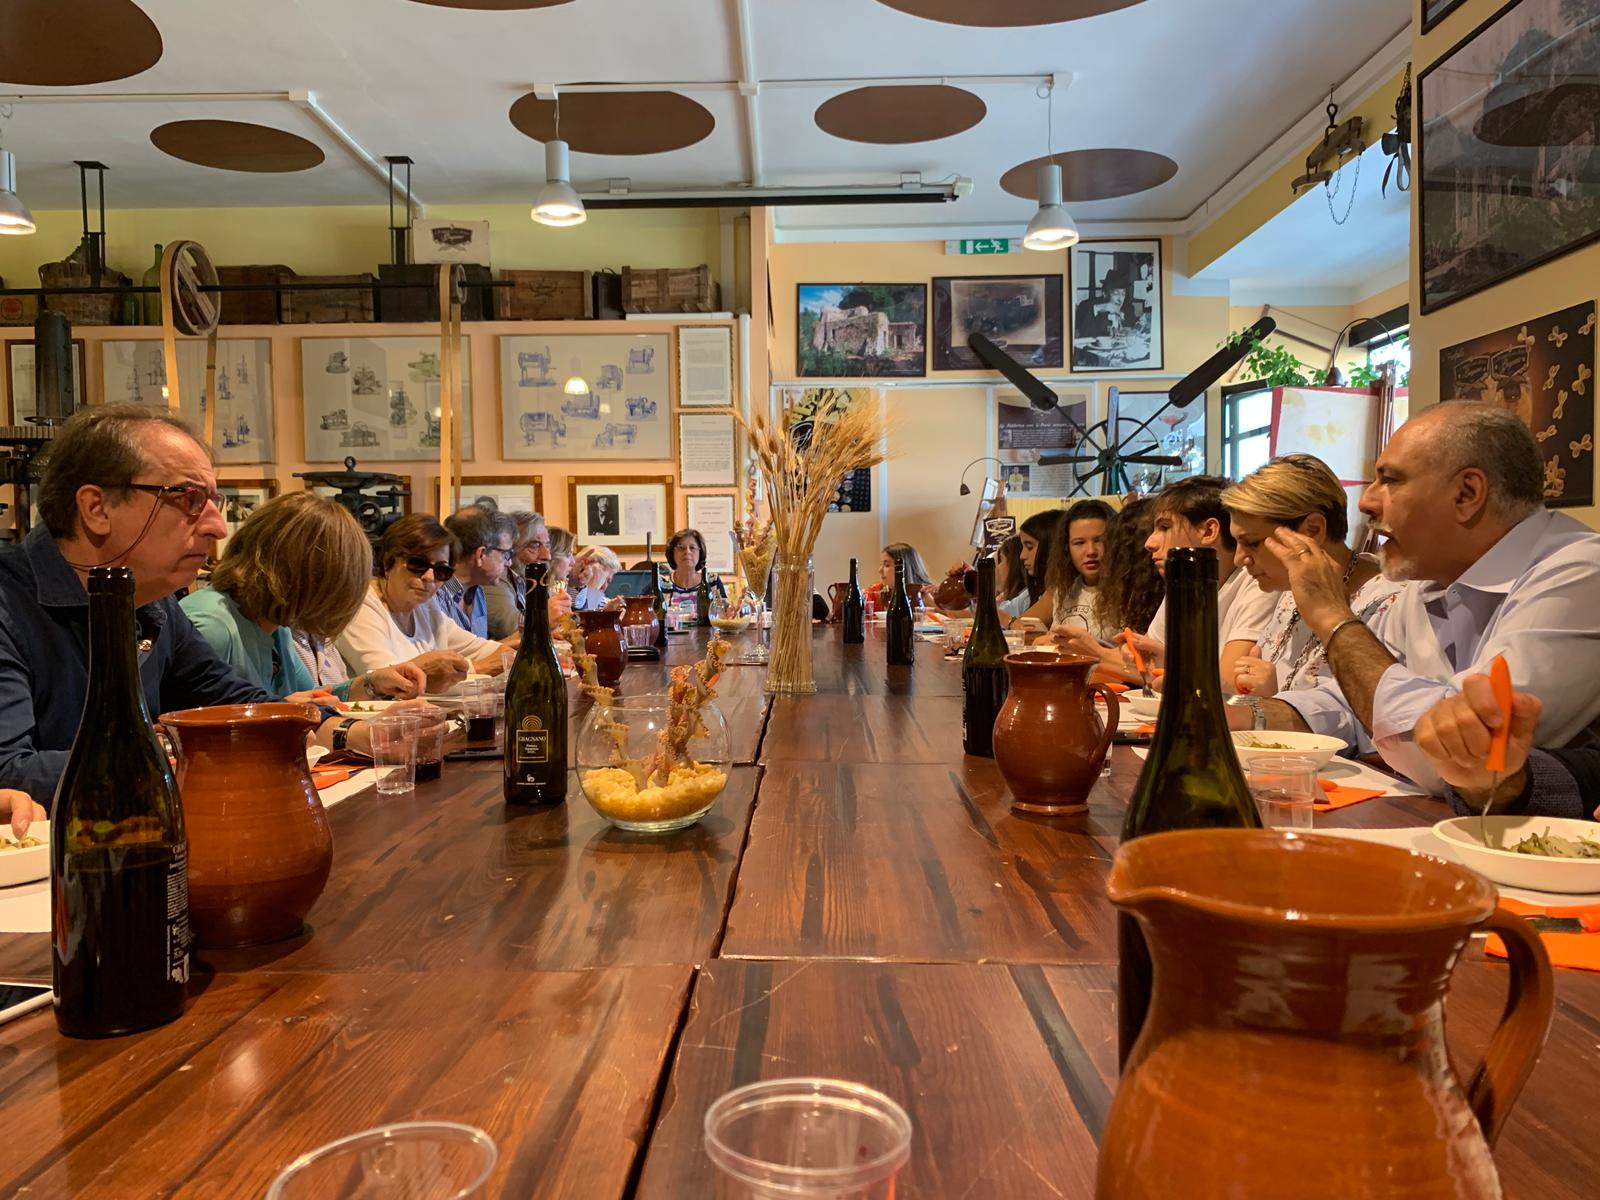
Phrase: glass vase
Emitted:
{"points": [[615, 748], [789, 672]]}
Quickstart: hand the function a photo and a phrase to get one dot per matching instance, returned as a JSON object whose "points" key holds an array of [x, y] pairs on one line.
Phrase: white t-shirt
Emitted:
{"points": [[1076, 607], [374, 640], [1243, 611], [1300, 659]]}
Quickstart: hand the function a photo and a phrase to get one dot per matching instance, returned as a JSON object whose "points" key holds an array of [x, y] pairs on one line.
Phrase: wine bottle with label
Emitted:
{"points": [[899, 625], [702, 600], [658, 599], [1191, 777], [984, 682], [853, 613], [536, 712], [119, 889]]}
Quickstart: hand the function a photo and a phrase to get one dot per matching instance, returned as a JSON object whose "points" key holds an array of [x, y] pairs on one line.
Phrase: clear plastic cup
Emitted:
{"points": [[430, 748], [1285, 789], [638, 636], [394, 752], [807, 1138], [412, 1160]]}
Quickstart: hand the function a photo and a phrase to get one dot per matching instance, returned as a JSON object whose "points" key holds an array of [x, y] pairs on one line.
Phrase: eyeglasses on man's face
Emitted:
{"points": [[190, 498], [424, 566]]}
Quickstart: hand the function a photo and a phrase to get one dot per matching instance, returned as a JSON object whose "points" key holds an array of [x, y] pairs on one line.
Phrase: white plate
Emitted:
{"points": [[1144, 707], [24, 866], [1522, 870], [1315, 746]]}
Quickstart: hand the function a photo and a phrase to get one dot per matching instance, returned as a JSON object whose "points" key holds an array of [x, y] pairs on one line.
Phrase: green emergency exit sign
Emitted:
{"points": [[982, 246]]}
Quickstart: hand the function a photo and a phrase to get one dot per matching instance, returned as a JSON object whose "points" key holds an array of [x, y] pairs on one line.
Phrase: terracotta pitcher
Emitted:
{"points": [[259, 845], [836, 598], [1295, 1038], [602, 637], [641, 610], [1049, 742]]}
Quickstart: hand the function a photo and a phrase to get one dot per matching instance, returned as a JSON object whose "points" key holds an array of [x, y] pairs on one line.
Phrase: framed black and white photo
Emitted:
{"points": [[617, 511], [1019, 313], [20, 374], [1115, 289], [1434, 11], [712, 515], [1508, 148], [595, 396], [240, 498]]}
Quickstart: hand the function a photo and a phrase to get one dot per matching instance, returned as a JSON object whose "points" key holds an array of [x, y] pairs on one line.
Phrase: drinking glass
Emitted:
{"points": [[478, 698], [807, 1138], [638, 636], [394, 752], [1285, 789], [430, 748], [411, 1160]]}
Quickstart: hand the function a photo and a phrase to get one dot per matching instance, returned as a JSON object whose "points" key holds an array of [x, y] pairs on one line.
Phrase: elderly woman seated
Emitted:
{"points": [[592, 572]]}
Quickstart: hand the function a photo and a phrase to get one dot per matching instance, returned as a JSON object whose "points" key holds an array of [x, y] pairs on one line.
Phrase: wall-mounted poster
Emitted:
{"points": [[586, 396], [135, 372], [1147, 424], [1025, 434], [705, 366], [377, 398], [712, 515], [850, 330], [1544, 372], [1019, 313], [707, 454], [20, 371], [1116, 306], [801, 406], [449, 241], [618, 510], [1508, 158]]}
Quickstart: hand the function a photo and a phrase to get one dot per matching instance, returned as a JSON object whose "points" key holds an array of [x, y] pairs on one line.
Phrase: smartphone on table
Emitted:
{"points": [[19, 998]]}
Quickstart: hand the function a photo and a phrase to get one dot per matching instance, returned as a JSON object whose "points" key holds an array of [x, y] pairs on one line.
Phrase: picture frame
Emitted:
{"points": [[706, 367], [434, 241], [626, 414], [240, 498], [616, 511], [1110, 337], [800, 407], [1434, 11], [134, 371], [1023, 435], [21, 403], [712, 513], [510, 493], [1148, 425], [377, 398], [708, 450], [1020, 313], [1500, 189], [861, 330]]}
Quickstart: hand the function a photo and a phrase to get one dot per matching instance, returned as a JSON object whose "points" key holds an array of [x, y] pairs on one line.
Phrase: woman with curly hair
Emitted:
{"points": [[1130, 587]]}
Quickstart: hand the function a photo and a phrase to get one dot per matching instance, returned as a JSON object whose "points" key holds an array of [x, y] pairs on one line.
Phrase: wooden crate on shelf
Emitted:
{"points": [[251, 308], [421, 303], [669, 290], [73, 271], [332, 305], [547, 296], [18, 310]]}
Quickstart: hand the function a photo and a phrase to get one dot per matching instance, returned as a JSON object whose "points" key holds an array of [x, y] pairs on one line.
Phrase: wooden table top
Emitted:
{"points": [[862, 904]]}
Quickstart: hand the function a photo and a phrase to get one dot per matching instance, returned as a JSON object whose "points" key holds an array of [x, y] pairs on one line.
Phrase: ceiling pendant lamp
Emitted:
{"points": [[14, 215], [1051, 227], [558, 203]]}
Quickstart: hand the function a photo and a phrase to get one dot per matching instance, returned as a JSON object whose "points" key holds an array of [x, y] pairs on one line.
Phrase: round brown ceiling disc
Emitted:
{"points": [[616, 122], [896, 115], [236, 146], [997, 14], [1093, 174], [493, 5], [65, 43]]}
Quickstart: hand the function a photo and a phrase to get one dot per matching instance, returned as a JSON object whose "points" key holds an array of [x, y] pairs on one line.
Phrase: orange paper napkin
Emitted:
{"points": [[1339, 796], [1580, 951]]}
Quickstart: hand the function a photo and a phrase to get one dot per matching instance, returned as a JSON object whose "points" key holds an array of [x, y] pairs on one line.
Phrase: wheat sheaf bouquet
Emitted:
{"points": [[801, 482]]}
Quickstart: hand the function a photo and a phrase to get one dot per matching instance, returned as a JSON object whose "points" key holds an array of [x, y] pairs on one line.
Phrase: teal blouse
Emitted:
{"points": [[267, 660]]}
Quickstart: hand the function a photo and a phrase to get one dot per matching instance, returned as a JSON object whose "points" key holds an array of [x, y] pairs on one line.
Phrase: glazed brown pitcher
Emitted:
{"points": [[602, 637], [259, 845], [1049, 742], [1295, 1040]]}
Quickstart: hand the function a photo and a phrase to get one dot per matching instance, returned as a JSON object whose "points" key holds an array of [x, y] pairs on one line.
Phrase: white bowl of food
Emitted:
{"points": [[1146, 708], [25, 859], [1280, 743], [1544, 854]]}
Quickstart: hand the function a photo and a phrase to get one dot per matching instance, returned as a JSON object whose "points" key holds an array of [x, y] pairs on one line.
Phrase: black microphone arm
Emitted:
{"points": [[1193, 385]]}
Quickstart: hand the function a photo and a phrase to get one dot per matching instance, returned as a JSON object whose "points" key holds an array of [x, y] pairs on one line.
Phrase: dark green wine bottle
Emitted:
{"points": [[899, 626], [1191, 778], [119, 892], [658, 599], [536, 712], [702, 600], [853, 613], [984, 682]]}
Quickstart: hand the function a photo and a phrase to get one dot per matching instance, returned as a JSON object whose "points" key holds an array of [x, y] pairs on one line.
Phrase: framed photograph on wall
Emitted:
{"points": [[712, 515], [1116, 306], [850, 330], [595, 396], [240, 498], [800, 408], [1434, 11], [20, 377], [135, 372], [1508, 175], [1019, 313], [1148, 424], [705, 366], [508, 493], [707, 450], [377, 398], [618, 510]]}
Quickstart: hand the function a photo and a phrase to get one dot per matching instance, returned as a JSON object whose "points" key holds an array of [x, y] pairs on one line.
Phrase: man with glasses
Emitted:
{"points": [[485, 537]]}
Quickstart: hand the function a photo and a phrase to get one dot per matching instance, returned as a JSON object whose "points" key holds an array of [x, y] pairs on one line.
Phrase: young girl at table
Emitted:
{"points": [[1010, 579], [1129, 591], [1036, 542], [917, 577], [1076, 567]]}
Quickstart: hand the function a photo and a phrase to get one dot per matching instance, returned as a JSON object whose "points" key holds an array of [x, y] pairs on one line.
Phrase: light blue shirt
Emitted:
{"points": [[267, 660], [448, 598], [1534, 597]]}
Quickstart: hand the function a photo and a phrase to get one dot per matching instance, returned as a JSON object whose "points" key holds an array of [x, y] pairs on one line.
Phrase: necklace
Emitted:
{"points": [[1286, 634]]}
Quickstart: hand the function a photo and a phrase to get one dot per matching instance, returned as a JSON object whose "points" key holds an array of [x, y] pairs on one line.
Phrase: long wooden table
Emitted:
{"points": [[861, 903]]}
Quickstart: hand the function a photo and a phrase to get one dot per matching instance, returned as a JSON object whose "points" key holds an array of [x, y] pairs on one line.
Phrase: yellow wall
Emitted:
{"points": [[1570, 279]]}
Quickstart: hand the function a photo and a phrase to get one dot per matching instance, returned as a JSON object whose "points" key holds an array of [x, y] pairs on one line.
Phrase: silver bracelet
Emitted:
{"points": [[1327, 642]]}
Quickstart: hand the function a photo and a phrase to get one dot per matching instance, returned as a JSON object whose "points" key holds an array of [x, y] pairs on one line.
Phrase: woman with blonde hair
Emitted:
{"points": [[1298, 492], [298, 563], [591, 575]]}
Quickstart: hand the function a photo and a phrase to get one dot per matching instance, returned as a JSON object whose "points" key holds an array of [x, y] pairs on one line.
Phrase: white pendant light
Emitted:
{"points": [[1051, 227], [14, 215], [558, 203]]}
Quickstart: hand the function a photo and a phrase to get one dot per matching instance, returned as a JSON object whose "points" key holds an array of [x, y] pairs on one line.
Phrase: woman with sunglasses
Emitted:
{"points": [[397, 620]]}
